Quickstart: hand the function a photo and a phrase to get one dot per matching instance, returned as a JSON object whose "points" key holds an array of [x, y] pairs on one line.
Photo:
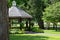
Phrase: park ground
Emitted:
{"points": [[47, 35]]}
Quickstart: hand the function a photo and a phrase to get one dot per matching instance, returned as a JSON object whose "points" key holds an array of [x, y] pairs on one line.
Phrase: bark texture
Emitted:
{"points": [[3, 20]]}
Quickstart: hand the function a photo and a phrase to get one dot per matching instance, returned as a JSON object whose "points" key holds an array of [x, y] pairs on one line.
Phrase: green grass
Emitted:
{"points": [[32, 37], [36, 36], [52, 31], [46, 36]]}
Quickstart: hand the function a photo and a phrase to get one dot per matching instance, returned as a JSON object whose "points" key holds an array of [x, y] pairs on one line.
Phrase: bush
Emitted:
{"points": [[16, 31], [22, 31], [38, 30], [22, 25]]}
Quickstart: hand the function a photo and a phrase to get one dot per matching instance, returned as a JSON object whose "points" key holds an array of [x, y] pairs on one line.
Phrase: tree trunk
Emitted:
{"points": [[41, 24], [3, 20], [47, 25], [55, 26]]}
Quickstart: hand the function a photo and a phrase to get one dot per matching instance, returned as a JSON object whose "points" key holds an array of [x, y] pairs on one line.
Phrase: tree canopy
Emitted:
{"points": [[52, 13]]}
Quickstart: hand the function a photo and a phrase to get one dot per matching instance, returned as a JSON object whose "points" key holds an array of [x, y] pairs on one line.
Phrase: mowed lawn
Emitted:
{"points": [[33, 37], [52, 31]]}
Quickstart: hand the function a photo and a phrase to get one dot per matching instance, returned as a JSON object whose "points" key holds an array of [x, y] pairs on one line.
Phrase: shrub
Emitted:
{"points": [[21, 26], [17, 31], [36, 29], [23, 31]]}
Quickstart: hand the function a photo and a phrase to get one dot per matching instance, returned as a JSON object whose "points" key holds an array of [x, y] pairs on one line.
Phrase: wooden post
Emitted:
{"points": [[20, 21], [9, 23], [3, 20], [27, 25]]}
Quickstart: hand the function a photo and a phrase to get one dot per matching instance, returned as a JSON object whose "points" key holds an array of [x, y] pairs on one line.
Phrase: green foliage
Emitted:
{"points": [[52, 13], [16, 31], [36, 29], [38, 6], [32, 24], [22, 25], [20, 3]]}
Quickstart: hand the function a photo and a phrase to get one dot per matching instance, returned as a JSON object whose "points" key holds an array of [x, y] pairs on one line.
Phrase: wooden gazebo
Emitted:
{"points": [[18, 13]]}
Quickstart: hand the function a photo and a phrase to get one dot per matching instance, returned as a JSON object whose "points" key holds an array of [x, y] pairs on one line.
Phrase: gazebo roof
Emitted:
{"points": [[14, 11]]}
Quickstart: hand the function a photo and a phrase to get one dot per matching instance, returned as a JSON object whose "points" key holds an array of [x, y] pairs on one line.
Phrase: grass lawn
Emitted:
{"points": [[45, 36], [52, 31], [32, 37]]}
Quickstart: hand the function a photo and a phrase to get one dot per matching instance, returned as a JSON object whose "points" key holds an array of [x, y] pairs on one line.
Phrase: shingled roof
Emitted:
{"points": [[14, 11]]}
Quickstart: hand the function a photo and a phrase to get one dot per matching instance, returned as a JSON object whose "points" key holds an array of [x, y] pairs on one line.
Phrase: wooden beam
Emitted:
{"points": [[3, 20], [20, 21], [29, 24], [26, 24]]}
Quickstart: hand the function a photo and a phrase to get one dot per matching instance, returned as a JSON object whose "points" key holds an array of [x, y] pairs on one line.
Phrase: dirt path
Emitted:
{"points": [[44, 34]]}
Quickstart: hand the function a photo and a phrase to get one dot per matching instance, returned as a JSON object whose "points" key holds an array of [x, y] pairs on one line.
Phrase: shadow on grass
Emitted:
{"points": [[58, 31], [27, 37]]}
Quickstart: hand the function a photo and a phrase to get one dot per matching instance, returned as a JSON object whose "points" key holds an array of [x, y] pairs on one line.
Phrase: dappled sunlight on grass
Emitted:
{"points": [[54, 38], [27, 37], [32, 37], [52, 31]]}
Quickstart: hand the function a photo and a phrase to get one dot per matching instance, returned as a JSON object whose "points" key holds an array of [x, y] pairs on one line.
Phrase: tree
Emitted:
{"points": [[52, 14], [3, 20], [50, 2], [38, 8], [20, 3]]}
